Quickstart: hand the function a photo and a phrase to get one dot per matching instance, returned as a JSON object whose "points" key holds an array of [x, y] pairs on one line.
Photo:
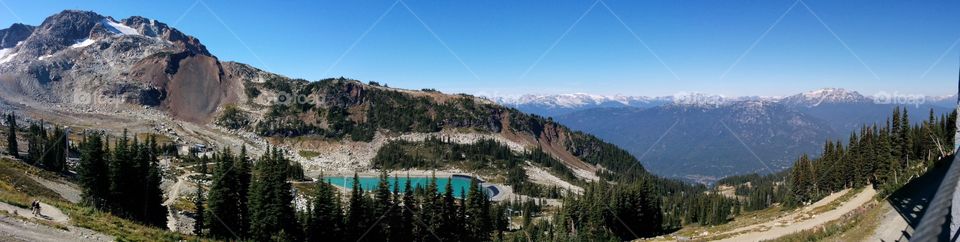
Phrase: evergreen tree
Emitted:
{"points": [[12, 135], [407, 219], [54, 156], [93, 179], [430, 213], [121, 172], [125, 181], [198, 201], [358, 220], [147, 203], [244, 176], [272, 216], [896, 134], [449, 222], [326, 220], [802, 180], [153, 212], [476, 213], [224, 212], [383, 207], [905, 137], [36, 141]]}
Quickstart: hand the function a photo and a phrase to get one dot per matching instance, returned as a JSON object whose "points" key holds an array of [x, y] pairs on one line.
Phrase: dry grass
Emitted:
{"points": [[743, 220], [185, 203], [18, 187], [308, 154], [848, 228], [837, 202]]}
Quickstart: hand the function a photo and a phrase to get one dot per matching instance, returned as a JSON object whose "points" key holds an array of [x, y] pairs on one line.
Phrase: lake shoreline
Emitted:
{"points": [[399, 173]]}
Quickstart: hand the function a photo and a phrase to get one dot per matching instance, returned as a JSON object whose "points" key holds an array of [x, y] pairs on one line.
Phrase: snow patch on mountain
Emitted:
{"points": [[118, 28], [4, 52], [83, 43], [6, 56]]}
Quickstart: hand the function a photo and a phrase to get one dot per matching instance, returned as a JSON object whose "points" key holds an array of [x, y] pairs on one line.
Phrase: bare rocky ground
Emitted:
{"points": [[540, 176], [350, 156]]}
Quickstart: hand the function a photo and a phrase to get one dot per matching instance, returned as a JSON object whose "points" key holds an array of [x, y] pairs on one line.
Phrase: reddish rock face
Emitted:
{"points": [[195, 85]]}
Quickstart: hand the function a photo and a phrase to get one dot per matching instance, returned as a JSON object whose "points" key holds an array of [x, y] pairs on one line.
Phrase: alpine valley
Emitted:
{"points": [[702, 138], [131, 130]]}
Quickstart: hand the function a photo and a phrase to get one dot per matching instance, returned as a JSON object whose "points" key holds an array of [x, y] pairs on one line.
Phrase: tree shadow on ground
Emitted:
{"points": [[911, 200]]}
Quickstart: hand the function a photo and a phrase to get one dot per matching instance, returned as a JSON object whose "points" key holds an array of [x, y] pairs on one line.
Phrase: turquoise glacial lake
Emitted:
{"points": [[460, 184]]}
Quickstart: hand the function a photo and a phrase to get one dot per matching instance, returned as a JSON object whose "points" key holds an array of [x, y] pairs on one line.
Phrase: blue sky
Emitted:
{"points": [[504, 47]]}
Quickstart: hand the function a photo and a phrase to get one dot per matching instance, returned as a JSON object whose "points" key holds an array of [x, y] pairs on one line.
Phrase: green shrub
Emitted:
{"points": [[233, 118]]}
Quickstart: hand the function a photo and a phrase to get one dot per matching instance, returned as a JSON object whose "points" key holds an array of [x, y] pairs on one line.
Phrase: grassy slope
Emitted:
{"points": [[18, 189]]}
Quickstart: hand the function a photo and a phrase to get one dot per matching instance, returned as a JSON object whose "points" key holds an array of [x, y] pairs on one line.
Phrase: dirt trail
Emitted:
{"points": [[47, 212], [826, 200], [14, 229], [175, 219], [785, 225], [893, 227], [66, 190], [18, 227], [903, 209]]}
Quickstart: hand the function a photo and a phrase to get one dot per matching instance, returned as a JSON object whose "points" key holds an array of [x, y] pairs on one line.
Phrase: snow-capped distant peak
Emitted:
{"points": [[826, 92], [826, 95], [118, 28], [566, 100], [579, 100]]}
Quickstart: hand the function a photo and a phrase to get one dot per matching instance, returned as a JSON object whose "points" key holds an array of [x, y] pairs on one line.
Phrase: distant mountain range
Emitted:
{"points": [[558, 104], [551, 105], [706, 137]]}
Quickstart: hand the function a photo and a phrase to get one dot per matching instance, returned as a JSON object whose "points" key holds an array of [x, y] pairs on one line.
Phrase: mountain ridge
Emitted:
{"points": [[141, 74]]}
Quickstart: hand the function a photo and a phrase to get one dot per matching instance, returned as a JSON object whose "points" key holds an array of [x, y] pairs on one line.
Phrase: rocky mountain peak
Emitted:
{"points": [[76, 28], [61, 30], [134, 60], [17, 32], [152, 28]]}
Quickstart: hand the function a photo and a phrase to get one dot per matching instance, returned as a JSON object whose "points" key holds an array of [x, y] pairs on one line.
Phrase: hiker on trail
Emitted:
{"points": [[36, 207]]}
